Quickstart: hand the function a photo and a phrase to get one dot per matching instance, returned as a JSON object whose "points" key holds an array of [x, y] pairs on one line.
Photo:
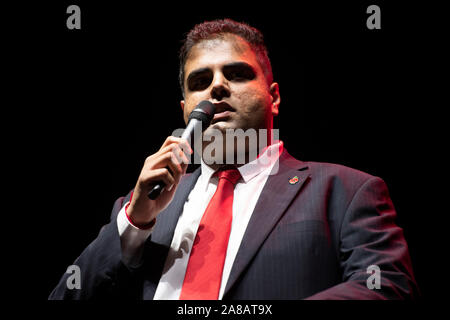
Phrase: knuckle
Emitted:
{"points": [[144, 177], [168, 175], [150, 158], [175, 159], [170, 155], [174, 147], [165, 172]]}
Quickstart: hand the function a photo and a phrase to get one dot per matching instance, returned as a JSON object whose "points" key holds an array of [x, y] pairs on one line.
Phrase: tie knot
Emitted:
{"points": [[232, 175]]}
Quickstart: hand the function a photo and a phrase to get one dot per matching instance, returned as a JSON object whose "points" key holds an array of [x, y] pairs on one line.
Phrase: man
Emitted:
{"points": [[271, 228]]}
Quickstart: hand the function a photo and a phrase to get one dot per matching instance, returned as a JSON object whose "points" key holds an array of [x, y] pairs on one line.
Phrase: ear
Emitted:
{"points": [[275, 94], [185, 117]]}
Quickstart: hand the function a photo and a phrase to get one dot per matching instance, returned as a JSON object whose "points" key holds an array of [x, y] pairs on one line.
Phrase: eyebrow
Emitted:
{"points": [[197, 72], [239, 64]]}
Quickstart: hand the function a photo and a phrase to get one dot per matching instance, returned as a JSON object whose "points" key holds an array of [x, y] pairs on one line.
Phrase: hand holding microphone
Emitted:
{"points": [[201, 116], [163, 170]]}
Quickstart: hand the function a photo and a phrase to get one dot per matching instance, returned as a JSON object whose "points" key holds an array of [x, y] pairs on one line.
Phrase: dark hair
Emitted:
{"points": [[214, 29]]}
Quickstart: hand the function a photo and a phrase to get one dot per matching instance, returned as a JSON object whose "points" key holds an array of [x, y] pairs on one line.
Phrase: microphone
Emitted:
{"points": [[201, 116]]}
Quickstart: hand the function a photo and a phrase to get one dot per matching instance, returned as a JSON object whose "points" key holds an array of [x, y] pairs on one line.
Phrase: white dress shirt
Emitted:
{"points": [[246, 194]]}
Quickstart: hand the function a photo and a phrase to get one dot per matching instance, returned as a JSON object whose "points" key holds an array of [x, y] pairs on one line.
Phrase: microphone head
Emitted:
{"points": [[204, 112]]}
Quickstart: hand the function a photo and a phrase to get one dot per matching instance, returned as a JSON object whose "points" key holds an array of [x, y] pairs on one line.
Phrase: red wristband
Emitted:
{"points": [[139, 226]]}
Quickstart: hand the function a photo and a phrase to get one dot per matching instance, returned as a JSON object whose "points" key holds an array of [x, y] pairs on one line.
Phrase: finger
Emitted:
{"points": [[185, 146], [171, 140], [159, 159], [162, 174], [183, 162], [183, 153], [169, 161], [175, 167], [180, 155], [184, 167]]}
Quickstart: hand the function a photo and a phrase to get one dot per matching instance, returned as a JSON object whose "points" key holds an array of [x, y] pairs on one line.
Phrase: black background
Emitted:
{"points": [[88, 106]]}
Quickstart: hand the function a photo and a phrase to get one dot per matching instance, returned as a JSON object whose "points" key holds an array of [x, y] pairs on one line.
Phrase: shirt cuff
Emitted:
{"points": [[132, 239]]}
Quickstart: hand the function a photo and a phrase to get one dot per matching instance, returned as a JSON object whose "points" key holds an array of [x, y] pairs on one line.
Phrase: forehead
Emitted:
{"points": [[220, 51]]}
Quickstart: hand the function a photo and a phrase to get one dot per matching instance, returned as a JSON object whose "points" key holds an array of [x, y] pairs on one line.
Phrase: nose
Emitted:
{"points": [[220, 88]]}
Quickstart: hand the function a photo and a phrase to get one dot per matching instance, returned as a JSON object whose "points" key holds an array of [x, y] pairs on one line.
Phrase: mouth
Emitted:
{"points": [[223, 111]]}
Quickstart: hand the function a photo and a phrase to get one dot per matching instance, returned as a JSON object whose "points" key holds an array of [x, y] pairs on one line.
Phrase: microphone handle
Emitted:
{"points": [[160, 185], [156, 190]]}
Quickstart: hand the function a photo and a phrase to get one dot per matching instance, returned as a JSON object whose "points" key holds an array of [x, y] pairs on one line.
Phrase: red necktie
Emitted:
{"points": [[205, 266]]}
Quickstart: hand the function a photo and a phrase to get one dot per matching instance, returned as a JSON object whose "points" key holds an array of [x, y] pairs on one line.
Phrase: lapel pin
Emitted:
{"points": [[293, 180]]}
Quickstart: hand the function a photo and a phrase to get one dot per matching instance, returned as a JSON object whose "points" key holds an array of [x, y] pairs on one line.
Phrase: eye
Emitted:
{"points": [[239, 73], [199, 82]]}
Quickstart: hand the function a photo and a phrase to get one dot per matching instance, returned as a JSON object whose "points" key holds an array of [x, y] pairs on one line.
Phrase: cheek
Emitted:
{"points": [[189, 105], [253, 101]]}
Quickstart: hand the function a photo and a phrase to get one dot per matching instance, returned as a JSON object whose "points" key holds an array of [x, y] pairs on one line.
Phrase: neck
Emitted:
{"points": [[238, 151]]}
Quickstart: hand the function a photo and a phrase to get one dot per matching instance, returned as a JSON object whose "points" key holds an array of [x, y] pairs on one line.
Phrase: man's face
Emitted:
{"points": [[226, 72]]}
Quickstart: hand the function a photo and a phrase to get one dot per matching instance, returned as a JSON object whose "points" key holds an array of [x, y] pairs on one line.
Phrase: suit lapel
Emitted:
{"points": [[268, 211], [159, 242], [167, 220]]}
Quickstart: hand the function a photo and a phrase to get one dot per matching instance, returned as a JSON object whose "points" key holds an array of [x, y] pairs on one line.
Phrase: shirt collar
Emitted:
{"points": [[264, 162]]}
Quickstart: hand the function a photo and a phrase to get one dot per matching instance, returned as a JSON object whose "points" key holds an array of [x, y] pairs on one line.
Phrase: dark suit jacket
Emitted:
{"points": [[311, 239]]}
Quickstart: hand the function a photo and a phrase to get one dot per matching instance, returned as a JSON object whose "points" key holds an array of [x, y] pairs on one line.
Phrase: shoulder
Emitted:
{"points": [[334, 175], [346, 182], [325, 168], [337, 170]]}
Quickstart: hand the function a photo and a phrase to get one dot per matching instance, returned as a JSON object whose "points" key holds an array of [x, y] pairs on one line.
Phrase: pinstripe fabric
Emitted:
{"points": [[311, 239]]}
